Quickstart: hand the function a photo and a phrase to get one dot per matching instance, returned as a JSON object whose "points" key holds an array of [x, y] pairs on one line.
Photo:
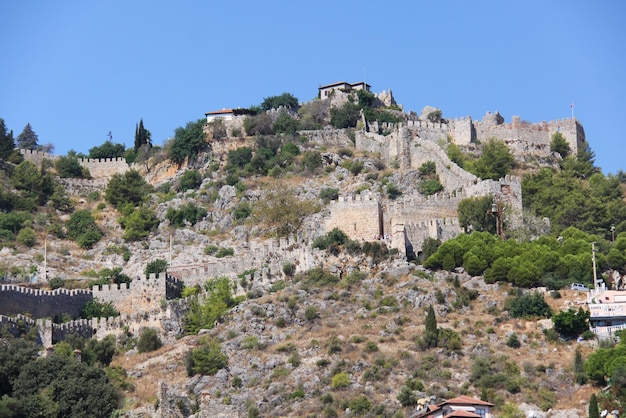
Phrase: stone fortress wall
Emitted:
{"points": [[404, 223], [42, 303], [98, 168]]}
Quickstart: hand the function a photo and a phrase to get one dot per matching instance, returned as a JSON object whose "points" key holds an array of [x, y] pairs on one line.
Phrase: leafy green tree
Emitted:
{"points": [[203, 315], [559, 144], [345, 116], [107, 150], [27, 237], [15, 353], [95, 309], [28, 139], [431, 333], [528, 305], [430, 246], [188, 141], [129, 187], [102, 351], [582, 164], [284, 123], [274, 102], [139, 223], [33, 185], [238, 158], [571, 323], [148, 340], [69, 167], [7, 143], [82, 228], [61, 386], [283, 212], [142, 136], [495, 162], [475, 214], [156, 267]]}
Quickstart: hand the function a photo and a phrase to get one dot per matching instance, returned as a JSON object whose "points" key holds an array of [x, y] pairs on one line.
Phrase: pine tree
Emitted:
{"points": [[28, 139], [142, 136], [7, 144], [431, 334], [593, 407]]}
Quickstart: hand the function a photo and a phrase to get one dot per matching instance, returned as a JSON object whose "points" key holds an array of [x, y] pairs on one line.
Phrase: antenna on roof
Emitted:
{"points": [[364, 79]]}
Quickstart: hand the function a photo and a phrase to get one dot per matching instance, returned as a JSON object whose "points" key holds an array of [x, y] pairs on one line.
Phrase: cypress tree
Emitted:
{"points": [[142, 135], [593, 407], [431, 334], [7, 144]]}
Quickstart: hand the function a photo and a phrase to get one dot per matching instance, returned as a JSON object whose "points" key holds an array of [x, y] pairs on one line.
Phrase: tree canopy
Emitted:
{"points": [[142, 136], [188, 141], [129, 187], [28, 139], [107, 150], [7, 143], [274, 102]]}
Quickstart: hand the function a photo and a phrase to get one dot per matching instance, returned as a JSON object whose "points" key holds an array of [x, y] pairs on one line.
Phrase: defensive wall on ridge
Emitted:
{"points": [[408, 221], [166, 317], [42, 303], [523, 138], [140, 293], [98, 167]]}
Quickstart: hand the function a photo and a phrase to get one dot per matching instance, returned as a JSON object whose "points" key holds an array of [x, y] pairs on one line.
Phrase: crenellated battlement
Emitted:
{"points": [[40, 303], [42, 292], [98, 167]]}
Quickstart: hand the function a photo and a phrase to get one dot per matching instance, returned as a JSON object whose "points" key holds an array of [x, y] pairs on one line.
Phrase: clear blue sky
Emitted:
{"points": [[76, 70]]}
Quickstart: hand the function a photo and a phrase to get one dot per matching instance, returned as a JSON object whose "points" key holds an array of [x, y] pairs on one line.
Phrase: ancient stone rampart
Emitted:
{"points": [[525, 138], [166, 318], [98, 168], [42, 303], [140, 294], [359, 216], [329, 137]]}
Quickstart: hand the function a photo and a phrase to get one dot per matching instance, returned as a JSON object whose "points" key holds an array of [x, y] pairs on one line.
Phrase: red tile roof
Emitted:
{"points": [[465, 400], [461, 414]]}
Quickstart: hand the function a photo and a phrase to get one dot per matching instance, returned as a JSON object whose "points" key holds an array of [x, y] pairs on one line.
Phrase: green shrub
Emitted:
{"points": [[156, 267], [311, 313], [191, 179], [223, 252], [360, 405], [148, 340], [27, 237], [340, 381], [513, 341], [528, 305], [208, 358], [371, 347], [327, 194], [289, 269], [393, 191]]}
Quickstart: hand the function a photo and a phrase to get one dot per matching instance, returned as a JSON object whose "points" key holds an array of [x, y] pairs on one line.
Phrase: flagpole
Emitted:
{"points": [[572, 106]]}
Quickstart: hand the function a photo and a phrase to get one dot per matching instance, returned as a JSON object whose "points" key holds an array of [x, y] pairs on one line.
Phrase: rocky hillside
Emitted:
{"points": [[283, 360], [350, 343]]}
